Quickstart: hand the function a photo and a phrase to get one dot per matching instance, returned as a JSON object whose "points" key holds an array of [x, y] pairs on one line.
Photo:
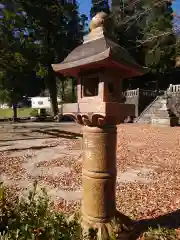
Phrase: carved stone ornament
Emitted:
{"points": [[119, 227], [98, 20], [92, 119], [89, 119]]}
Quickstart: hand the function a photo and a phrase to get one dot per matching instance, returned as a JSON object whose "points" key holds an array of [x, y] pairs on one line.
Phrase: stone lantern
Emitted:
{"points": [[99, 65]]}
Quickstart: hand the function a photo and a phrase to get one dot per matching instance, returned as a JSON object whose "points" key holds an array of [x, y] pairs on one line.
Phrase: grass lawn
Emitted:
{"points": [[8, 113]]}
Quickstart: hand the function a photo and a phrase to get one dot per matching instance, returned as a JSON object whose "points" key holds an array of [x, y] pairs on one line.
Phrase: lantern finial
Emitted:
{"points": [[98, 20]]}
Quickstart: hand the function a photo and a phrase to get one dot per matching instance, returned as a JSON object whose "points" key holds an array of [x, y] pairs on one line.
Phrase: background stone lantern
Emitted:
{"points": [[99, 65]]}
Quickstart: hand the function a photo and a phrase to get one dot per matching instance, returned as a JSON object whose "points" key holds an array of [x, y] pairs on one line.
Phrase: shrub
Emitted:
{"points": [[32, 218], [160, 234]]}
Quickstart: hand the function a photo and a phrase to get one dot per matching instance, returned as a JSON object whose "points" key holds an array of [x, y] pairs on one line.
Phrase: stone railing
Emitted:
{"points": [[174, 89], [138, 91], [147, 93], [131, 93], [140, 98]]}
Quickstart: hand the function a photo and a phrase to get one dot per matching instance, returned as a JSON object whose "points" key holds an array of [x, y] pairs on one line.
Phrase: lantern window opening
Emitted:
{"points": [[111, 88], [90, 86]]}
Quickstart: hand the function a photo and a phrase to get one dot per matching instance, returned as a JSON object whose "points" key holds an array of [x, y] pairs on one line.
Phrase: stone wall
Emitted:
{"points": [[140, 98], [132, 97], [173, 101]]}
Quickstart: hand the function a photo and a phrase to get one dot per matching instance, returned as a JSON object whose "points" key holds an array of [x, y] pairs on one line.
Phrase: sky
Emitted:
{"points": [[84, 6], [176, 6]]}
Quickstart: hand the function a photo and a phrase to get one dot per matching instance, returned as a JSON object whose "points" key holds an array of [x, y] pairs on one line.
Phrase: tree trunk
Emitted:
{"points": [[14, 106], [73, 90], [51, 80], [63, 89], [51, 83]]}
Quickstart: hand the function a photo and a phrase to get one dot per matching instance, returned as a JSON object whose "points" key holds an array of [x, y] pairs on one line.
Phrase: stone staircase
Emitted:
{"points": [[155, 113]]}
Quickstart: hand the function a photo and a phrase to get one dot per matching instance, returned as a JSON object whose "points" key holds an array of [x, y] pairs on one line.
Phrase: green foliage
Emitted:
{"points": [[57, 34], [99, 6], [32, 218], [145, 29], [67, 90], [160, 234], [17, 54], [125, 26], [159, 38], [39, 34]]}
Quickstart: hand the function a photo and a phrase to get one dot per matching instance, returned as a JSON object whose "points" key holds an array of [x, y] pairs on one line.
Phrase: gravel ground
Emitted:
{"points": [[139, 147], [159, 149]]}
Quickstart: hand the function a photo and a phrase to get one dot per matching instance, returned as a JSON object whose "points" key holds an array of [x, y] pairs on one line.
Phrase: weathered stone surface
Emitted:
{"points": [[99, 173]]}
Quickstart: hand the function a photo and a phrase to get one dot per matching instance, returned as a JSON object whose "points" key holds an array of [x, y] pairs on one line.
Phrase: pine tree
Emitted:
{"points": [[99, 6], [125, 26], [160, 42], [145, 29]]}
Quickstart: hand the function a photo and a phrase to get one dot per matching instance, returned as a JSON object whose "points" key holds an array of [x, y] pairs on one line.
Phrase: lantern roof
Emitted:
{"points": [[98, 51]]}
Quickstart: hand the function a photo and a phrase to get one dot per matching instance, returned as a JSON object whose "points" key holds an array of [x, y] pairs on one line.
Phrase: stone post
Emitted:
{"points": [[99, 174], [98, 210]]}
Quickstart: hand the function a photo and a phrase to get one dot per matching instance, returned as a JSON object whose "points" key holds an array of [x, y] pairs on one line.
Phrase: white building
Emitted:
{"points": [[4, 105], [43, 102]]}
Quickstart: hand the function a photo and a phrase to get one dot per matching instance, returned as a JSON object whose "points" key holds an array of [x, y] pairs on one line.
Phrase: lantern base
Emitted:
{"points": [[119, 227]]}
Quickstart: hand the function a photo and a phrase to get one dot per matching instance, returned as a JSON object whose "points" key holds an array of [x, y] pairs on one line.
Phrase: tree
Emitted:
{"points": [[145, 29], [50, 39], [99, 6], [177, 32], [73, 90], [17, 67], [57, 27], [67, 90], [126, 25], [160, 42]]}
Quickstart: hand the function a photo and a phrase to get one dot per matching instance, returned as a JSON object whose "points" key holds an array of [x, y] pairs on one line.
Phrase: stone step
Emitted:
{"points": [[158, 110], [144, 120], [161, 121], [159, 116], [155, 107]]}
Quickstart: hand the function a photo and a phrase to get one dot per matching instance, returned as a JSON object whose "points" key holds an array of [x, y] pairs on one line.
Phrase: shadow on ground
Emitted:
{"points": [[169, 221], [59, 133], [21, 139], [26, 148], [52, 133]]}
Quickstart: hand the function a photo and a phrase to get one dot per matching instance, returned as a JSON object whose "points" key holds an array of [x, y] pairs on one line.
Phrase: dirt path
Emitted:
{"points": [[32, 144]]}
